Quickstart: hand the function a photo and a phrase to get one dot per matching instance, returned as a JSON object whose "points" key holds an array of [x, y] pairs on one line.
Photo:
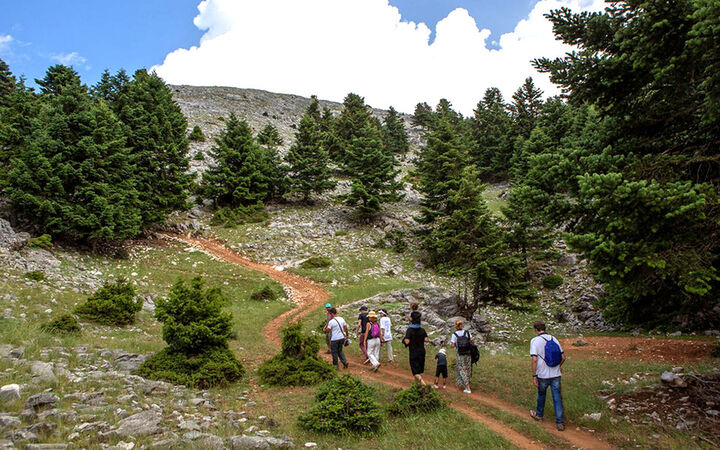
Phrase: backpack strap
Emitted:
{"points": [[341, 328]]}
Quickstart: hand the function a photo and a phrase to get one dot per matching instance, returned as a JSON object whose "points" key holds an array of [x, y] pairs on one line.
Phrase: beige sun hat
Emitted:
{"points": [[372, 314]]}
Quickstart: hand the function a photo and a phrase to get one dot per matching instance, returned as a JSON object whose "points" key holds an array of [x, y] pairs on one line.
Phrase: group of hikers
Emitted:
{"points": [[374, 330]]}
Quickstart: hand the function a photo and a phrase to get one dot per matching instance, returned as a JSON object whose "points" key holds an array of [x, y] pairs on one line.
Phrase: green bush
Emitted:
{"points": [[232, 217], [62, 325], [215, 367], [298, 363], [35, 275], [343, 404], [113, 304], [316, 262], [415, 400], [196, 330], [197, 135], [397, 241], [552, 281], [266, 294], [341, 233], [44, 241], [199, 156]]}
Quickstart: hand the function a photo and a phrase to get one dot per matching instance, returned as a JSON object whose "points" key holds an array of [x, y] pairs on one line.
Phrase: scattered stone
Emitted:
{"points": [[9, 392], [46, 447], [712, 412], [8, 421], [594, 416], [40, 401], [129, 362], [140, 424], [251, 442], [43, 372], [310, 444], [580, 342], [668, 377], [676, 334], [677, 369]]}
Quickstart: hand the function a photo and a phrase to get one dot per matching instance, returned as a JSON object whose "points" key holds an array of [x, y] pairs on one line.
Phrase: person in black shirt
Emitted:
{"points": [[441, 368], [361, 327], [415, 339]]}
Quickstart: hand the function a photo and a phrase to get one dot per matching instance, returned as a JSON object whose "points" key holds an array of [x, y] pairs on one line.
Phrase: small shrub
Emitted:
{"points": [[66, 324], [197, 134], [199, 156], [341, 233], [265, 114], [216, 367], [715, 352], [266, 294], [113, 304], [316, 262], [417, 399], [35, 275], [298, 363], [380, 244], [44, 241], [552, 281], [396, 238], [342, 405], [196, 330], [232, 217]]}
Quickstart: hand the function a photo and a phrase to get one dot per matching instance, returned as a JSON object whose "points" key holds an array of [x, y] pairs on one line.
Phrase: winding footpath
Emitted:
{"points": [[308, 296]]}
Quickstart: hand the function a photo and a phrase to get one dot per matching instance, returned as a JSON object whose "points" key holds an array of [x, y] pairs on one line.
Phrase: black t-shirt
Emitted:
{"points": [[417, 340], [363, 318], [442, 359]]}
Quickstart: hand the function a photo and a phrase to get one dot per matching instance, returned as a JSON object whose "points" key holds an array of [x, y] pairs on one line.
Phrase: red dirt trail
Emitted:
{"points": [[308, 296]]}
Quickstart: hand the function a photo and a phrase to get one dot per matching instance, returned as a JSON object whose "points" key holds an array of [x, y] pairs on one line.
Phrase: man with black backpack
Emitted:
{"points": [[547, 358]]}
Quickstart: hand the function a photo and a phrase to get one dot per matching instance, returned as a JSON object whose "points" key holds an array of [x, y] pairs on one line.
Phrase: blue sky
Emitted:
{"points": [[93, 35]]}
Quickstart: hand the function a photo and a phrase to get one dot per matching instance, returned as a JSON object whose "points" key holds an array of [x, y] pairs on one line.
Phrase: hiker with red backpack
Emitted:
{"points": [[547, 358], [372, 340], [463, 343]]}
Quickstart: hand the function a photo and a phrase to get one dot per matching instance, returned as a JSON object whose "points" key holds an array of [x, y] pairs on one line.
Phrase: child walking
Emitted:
{"points": [[441, 368]]}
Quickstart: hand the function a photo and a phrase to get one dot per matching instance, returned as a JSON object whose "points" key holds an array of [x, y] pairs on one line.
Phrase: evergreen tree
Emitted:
{"points": [[72, 177], [241, 176], [373, 173], [196, 134], [468, 242], [526, 104], [112, 88], [445, 112], [423, 115], [309, 172], [349, 126], [156, 130], [439, 166], [395, 136], [270, 137], [528, 234], [57, 77], [492, 136], [313, 109], [7, 83]]}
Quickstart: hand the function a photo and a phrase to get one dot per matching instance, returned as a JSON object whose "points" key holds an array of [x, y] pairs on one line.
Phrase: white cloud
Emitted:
{"points": [[5, 40], [332, 47], [68, 59]]}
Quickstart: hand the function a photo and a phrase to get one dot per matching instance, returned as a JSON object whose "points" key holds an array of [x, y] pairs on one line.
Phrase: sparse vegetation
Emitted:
{"points": [[343, 405], [316, 262], [35, 275], [114, 304], [552, 281], [266, 294], [298, 363], [43, 241], [233, 217]]}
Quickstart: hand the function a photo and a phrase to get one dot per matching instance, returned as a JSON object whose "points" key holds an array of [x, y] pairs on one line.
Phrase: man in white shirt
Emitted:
{"points": [[386, 333], [338, 330], [545, 376]]}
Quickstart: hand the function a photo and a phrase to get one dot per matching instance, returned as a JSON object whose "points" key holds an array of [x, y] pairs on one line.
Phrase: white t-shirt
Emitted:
{"points": [[386, 325], [337, 328], [457, 334], [537, 348]]}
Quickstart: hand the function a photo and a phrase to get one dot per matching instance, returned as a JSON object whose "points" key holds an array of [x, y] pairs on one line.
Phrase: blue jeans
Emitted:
{"points": [[554, 384]]}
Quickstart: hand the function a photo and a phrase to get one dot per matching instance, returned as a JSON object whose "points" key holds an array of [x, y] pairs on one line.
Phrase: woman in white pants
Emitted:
{"points": [[386, 333], [372, 340]]}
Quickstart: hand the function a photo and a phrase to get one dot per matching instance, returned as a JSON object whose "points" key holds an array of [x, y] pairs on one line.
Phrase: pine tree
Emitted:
{"points": [[156, 130], [57, 77], [7, 83], [313, 109], [270, 137], [395, 136], [528, 235], [492, 136], [112, 88], [196, 134], [468, 242], [527, 101], [349, 126], [72, 176], [423, 115], [373, 173], [241, 176], [309, 172], [439, 167]]}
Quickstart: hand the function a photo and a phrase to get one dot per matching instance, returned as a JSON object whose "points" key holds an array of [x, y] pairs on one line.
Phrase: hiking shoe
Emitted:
{"points": [[345, 365], [375, 368], [435, 386], [467, 391], [534, 415], [561, 427]]}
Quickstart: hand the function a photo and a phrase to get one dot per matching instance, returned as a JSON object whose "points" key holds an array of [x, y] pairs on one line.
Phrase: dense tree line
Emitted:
{"points": [[92, 164], [625, 162]]}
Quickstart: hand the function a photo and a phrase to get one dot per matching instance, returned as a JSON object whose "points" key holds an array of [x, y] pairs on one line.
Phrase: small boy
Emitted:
{"points": [[441, 368]]}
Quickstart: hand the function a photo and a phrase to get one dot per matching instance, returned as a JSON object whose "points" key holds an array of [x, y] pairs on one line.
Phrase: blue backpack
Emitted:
{"points": [[553, 355]]}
